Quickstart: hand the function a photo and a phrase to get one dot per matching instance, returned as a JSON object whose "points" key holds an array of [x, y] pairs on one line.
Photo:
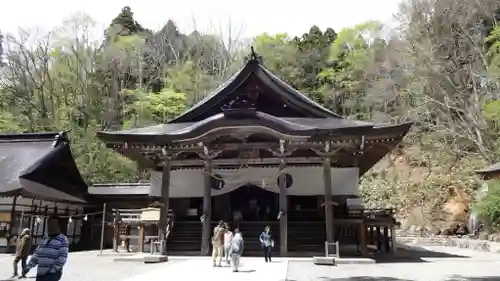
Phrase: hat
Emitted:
{"points": [[25, 231]]}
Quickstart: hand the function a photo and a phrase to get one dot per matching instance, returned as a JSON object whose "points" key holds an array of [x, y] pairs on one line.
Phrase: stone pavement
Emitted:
{"points": [[432, 264], [195, 269], [429, 264]]}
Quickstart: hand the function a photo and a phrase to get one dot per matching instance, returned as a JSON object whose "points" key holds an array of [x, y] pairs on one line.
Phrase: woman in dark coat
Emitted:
{"points": [[267, 243]]}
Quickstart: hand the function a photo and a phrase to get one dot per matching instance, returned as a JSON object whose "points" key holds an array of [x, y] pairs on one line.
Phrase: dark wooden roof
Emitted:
{"points": [[308, 127], [254, 102], [254, 71], [40, 165], [276, 106], [490, 171]]}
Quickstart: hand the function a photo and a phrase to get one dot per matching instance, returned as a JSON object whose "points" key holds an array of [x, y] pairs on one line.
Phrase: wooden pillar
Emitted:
{"points": [[45, 217], [327, 177], [12, 223], [393, 240], [283, 200], [116, 231], [207, 208], [142, 236], [165, 198], [364, 244]]}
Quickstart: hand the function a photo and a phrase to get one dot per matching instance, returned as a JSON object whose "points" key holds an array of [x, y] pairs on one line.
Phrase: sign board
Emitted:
{"points": [[150, 214], [5, 217]]}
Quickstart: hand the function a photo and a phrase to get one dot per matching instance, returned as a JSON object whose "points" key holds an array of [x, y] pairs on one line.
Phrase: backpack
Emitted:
{"points": [[219, 234], [235, 245]]}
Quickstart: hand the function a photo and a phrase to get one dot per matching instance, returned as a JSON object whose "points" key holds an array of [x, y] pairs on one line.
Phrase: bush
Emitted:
{"points": [[487, 206]]}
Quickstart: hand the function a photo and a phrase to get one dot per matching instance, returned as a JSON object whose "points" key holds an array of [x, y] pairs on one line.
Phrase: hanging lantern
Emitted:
{"points": [[85, 218], [70, 220], [37, 220]]}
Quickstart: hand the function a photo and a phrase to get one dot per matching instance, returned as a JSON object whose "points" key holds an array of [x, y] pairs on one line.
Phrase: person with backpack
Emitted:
{"points": [[236, 249], [23, 250], [218, 244], [51, 255]]}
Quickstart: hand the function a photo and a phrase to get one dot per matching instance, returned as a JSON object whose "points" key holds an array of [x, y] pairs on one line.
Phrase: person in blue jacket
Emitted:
{"points": [[267, 243]]}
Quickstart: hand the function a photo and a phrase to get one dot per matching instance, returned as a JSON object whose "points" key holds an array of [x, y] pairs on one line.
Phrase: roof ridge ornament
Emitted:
{"points": [[253, 56]]}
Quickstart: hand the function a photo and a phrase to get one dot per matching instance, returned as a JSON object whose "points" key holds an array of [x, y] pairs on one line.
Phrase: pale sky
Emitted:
{"points": [[247, 17]]}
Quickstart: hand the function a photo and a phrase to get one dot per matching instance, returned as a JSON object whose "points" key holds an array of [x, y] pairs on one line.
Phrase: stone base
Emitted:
{"points": [[324, 260], [354, 261], [337, 261], [146, 258], [155, 258]]}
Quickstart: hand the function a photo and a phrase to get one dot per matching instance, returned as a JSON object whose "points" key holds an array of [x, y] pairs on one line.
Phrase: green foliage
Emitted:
{"points": [[488, 206], [155, 108], [432, 70]]}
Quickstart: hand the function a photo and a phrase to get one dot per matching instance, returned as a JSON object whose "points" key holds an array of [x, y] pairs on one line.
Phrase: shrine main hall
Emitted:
{"points": [[258, 147]]}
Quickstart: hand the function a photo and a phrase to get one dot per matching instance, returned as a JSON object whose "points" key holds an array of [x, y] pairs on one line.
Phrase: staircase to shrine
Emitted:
{"points": [[306, 237], [303, 237], [185, 238]]}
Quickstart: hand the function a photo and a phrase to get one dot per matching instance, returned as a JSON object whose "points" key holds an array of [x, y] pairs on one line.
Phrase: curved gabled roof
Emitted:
{"points": [[254, 67], [304, 127], [40, 165]]}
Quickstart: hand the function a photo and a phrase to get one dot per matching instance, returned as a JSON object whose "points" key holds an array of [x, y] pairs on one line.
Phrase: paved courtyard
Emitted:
{"points": [[437, 263]]}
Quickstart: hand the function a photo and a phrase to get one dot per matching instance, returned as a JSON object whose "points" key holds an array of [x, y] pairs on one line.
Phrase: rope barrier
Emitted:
{"points": [[242, 168]]}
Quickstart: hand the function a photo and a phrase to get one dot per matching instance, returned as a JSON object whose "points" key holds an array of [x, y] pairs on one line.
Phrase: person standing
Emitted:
{"points": [[228, 237], [267, 243], [51, 255], [236, 249], [237, 217], [218, 244], [23, 250]]}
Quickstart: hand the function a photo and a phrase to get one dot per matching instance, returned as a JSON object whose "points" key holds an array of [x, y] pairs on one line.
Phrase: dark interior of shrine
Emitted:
{"points": [[258, 204]]}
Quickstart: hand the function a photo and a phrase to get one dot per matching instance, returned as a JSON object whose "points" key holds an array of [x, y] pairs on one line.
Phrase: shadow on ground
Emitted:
{"points": [[381, 278], [466, 278], [415, 254], [363, 278]]}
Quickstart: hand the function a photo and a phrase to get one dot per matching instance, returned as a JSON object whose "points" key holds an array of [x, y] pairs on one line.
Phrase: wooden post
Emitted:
{"points": [[364, 244], [283, 198], [207, 208], [116, 230], [327, 176], [141, 237], [12, 222], [393, 240], [103, 229], [165, 198], [80, 221], [44, 224]]}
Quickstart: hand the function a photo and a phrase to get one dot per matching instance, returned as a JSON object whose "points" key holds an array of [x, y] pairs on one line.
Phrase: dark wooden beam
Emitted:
{"points": [[237, 162]]}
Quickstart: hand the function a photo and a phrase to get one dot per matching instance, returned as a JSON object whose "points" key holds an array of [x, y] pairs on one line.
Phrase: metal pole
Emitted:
{"points": [[103, 225]]}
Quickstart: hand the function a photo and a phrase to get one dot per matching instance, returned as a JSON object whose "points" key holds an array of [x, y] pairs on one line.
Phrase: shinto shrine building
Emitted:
{"points": [[259, 147]]}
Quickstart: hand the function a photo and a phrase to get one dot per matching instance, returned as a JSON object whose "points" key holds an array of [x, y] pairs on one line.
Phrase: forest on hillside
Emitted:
{"points": [[439, 67]]}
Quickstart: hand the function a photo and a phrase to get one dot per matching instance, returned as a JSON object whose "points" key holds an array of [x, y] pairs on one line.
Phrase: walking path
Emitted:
{"points": [[197, 269]]}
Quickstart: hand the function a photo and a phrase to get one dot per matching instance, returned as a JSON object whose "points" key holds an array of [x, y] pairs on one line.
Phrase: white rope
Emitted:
{"points": [[242, 168]]}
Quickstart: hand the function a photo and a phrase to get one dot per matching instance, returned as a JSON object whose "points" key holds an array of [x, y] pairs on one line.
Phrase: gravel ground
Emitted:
{"points": [[428, 264], [88, 266], [437, 264]]}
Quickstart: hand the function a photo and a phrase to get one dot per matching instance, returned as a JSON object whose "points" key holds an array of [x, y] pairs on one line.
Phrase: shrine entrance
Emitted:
{"points": [[254, 203]]}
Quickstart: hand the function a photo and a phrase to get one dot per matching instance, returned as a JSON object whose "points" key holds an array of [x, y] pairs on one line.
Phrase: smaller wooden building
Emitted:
{"points": [[39, 178]]}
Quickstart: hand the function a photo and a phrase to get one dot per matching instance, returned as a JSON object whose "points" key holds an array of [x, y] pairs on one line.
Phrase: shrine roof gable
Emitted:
{"points": [[278, 91]]}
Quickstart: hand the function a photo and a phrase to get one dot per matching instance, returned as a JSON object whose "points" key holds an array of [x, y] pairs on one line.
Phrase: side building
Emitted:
{"points": [[39, 178]]}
